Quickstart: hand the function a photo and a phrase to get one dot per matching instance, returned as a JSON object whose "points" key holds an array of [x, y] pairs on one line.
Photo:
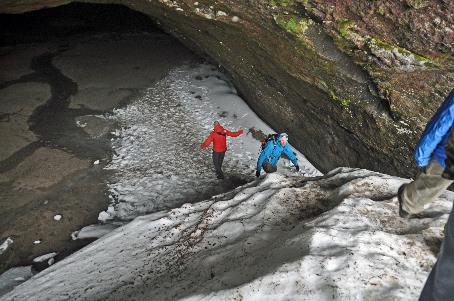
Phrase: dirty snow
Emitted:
{"points": [[336, 237], [284, 236], [158, 160], [93, 231], [45, 257], [80, 124], [5, 245]]}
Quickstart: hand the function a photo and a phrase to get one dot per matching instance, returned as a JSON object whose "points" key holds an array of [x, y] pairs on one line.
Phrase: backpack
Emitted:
{"points": [[270, 137]]}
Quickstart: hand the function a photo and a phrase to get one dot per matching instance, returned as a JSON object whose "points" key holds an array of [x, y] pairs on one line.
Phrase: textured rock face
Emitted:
{"points": [[352, 82]]}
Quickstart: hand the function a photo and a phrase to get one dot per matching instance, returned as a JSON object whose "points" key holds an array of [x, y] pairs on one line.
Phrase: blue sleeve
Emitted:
{"points": [[289, 153], [264, 154], [436, 130]]}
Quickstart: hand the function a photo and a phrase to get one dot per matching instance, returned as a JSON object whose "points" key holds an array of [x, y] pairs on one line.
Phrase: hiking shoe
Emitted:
{"points": [[402, 212]]}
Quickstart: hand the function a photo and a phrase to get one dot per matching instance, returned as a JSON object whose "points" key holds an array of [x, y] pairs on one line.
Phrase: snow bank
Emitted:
{"points": [[45, 257], [93, 231], [336, 237], [44, 261]]}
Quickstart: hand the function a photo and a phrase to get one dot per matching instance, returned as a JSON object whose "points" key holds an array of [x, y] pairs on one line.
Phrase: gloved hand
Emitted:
{"points": [[297, 168], [257, 173]]}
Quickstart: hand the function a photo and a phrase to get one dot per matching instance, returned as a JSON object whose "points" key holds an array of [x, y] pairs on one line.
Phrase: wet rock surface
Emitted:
{"points": [[18, 102], [42, 169], [353, 83], [54, 90]]}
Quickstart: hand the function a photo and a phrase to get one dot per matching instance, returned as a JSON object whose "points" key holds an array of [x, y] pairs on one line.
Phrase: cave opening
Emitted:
{"points": [[76, 18], [82, 87], [120, 51], [62, 71]]}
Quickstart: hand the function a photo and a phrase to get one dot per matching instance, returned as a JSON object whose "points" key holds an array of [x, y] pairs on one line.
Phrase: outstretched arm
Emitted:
{"points": [[207, 141], [233, 134], [290, 154]]}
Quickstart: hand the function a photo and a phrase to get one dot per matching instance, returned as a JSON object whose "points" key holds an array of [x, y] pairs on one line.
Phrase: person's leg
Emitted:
{"points": [[217, 163], [427, 186], [221, 160], [268, 168], [440, 284], [448, 173]]}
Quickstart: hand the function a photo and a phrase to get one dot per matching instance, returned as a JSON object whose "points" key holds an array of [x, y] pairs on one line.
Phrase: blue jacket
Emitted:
{"points": [[433, 140], [272, 152]]}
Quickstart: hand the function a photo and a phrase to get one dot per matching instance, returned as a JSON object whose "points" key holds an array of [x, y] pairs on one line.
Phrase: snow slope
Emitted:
{"points": [[157, 160], [285, 236], [336, 237], [159, 163]]}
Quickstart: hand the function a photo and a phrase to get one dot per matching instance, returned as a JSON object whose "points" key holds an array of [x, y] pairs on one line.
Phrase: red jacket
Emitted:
{"points": [[218, 137]]}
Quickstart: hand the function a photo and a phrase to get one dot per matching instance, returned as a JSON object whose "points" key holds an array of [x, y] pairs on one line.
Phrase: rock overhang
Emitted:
{"points": [[352, 83]]}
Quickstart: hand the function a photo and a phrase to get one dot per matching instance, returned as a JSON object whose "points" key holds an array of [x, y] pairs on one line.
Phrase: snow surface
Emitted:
{"points": [[14, 277], [45, 257], [336, 237], [159, 163], [80, 124], [284, 236], [5, 245], [49, 258], [93, 231]]}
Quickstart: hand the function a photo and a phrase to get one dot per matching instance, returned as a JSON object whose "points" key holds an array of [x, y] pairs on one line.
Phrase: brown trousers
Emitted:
{"points": [[268, 168], [427, 186]]}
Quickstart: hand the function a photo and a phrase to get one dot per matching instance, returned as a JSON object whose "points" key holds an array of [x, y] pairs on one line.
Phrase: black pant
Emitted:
{"points": [[218, 158], [268, 168]]}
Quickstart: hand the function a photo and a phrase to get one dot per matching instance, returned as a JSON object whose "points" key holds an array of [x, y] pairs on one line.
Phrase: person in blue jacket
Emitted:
{"points": [[271, 153], [430, 156], [440, 285]]}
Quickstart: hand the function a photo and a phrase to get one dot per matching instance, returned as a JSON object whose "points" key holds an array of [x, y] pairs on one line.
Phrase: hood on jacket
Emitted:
{"points": [[282, 135], [218, 128]]}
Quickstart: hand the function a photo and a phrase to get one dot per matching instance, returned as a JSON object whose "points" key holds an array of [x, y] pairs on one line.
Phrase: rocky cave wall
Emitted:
{"points": [[352, 82]]}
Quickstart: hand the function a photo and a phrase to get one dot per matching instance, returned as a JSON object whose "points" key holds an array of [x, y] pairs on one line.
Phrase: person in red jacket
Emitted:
{"points": [[218, 138]]}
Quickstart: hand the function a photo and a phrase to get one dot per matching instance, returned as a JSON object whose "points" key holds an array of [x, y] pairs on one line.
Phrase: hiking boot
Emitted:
{"points": [[402, 212]]}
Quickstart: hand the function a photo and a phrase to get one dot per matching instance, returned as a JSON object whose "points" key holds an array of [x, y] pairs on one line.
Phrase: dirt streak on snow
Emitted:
{"points": [[158, 159], [281, 238]]}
